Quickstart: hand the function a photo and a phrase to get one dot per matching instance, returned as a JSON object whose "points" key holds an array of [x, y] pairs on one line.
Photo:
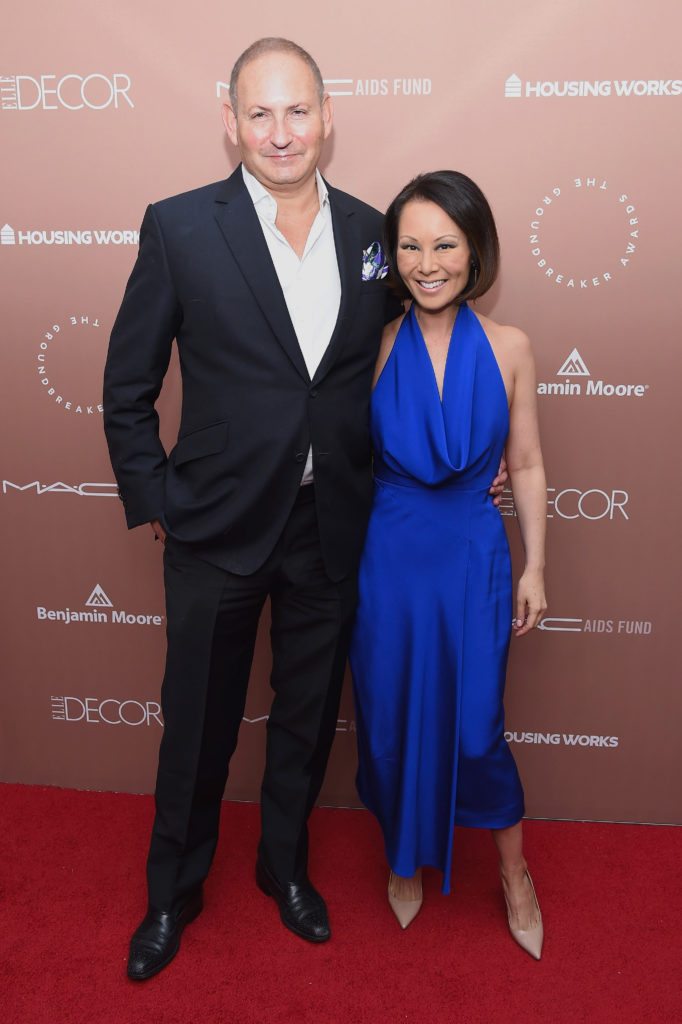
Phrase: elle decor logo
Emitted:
{"points": [[107, 711], [65, 92], [575, 503]]}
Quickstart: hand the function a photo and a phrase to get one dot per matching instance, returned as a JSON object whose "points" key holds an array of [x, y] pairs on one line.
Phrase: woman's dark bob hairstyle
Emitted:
{"points": [[463, 201]]}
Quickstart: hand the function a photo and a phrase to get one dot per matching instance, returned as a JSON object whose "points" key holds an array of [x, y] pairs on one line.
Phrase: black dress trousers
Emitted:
{"points": [[212, 619]]}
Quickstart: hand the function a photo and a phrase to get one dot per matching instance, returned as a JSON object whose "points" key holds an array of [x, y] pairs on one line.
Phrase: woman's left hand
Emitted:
{"points": [[530, 601]]}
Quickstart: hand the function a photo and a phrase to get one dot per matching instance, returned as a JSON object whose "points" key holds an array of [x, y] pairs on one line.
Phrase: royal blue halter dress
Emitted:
{"points": [[433, 626]]}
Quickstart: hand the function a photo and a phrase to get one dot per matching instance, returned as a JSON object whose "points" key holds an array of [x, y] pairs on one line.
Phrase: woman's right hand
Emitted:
{"points": [[531, 603]]}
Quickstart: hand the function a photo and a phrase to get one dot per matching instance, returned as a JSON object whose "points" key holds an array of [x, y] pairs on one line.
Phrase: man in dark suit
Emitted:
{"points": [[264, 281]]}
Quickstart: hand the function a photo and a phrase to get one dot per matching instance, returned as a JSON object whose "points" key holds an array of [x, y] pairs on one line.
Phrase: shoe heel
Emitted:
{"points": [[529, 939], [404, 910]]}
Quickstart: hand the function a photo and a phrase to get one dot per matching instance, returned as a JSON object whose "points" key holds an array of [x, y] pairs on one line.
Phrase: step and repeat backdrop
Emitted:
{"points": [[567, 114]]}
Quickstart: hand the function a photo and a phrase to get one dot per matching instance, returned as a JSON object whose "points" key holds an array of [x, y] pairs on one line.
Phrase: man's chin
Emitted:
{"points": [[284, 173]]}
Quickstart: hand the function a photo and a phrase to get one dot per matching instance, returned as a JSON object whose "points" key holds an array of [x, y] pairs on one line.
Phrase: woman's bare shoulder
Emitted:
{"points": [[511, 340]]}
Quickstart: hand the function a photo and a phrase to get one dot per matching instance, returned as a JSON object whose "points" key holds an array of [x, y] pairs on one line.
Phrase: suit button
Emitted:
{"points": [[313, 392], [300, 456]]}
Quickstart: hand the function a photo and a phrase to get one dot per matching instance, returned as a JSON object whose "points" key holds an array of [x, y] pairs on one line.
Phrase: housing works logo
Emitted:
{"points": [[588, 208], [98, 609], [95, 91], [575, 503], [556, 739], [597, 627], [400, 86], [73, 341], [515, 88], [66, 236], [574, 368]]}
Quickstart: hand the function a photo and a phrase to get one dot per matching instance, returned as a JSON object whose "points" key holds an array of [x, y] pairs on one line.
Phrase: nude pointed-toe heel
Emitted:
{"points": [[530, 939], [404, 910]]}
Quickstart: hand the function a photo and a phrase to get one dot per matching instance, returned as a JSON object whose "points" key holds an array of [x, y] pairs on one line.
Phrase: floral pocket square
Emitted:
{"points": [[374, 265]]}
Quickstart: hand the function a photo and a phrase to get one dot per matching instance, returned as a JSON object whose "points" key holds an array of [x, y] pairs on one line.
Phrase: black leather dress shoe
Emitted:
{"points": [[302, 909], [157, 940]]}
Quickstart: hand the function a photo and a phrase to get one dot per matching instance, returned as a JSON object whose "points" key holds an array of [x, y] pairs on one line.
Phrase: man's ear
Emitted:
{"points": [[230, 122], [327, 114]]}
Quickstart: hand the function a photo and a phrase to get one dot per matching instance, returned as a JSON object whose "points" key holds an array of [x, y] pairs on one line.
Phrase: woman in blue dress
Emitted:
{"points": [[452, 391]]}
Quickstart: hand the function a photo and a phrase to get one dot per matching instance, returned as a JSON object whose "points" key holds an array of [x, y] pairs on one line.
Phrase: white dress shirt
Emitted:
{"points": [[311, 284]]}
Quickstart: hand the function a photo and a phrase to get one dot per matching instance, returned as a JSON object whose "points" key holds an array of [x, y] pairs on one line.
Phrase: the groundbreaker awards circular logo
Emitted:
{"points": [[584, 234], [70, 363]]}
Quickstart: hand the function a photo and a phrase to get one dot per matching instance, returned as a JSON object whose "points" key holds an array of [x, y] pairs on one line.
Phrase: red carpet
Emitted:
{"points": [[73, 890]]}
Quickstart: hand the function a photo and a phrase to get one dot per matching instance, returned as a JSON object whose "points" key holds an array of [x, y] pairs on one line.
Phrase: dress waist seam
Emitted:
{"points": [[419, 485]]}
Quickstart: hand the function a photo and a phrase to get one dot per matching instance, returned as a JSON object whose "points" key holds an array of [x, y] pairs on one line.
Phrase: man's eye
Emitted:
{"points": [[300, 111], [258, 115]]}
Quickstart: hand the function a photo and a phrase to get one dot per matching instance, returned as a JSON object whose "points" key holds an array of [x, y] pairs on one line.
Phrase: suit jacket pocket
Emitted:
{"points": [[203, 441]]}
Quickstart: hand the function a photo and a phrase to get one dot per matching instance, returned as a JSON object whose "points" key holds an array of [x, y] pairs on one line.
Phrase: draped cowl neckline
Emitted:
{"points": [[419, 432]]}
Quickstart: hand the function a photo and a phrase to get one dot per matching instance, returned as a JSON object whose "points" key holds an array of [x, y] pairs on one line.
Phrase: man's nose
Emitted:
{"points": [[281, 135]]}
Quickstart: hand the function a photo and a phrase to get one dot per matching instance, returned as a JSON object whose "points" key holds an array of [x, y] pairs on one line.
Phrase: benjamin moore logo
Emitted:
{"points": [[66, 236], [98, 602], [85, 490], [556, 739], [65, 92], [606, 215], [406, 86], [75, 329], [574, 503], [606, 627], [514, 88], [574, 366], [98, 599]]}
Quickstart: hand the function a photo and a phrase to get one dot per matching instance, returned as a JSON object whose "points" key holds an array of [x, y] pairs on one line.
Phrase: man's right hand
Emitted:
{"points": [[159, 532]]}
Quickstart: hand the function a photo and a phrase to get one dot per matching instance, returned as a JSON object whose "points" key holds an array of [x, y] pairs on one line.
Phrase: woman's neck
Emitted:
{"points": [[436, 322]]}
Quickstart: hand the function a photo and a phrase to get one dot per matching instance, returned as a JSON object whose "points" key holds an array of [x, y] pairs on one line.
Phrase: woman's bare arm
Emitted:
{"points": [[526, 469]]}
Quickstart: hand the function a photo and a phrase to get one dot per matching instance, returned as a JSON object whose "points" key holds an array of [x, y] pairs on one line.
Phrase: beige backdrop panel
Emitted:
{"points": [[567, 114]]}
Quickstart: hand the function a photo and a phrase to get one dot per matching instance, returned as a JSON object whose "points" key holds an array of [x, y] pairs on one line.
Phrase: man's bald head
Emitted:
{"points": [[273, 44]]}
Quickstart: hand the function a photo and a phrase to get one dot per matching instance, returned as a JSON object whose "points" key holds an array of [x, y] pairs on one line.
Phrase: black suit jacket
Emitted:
{"points": [[250, 411]]}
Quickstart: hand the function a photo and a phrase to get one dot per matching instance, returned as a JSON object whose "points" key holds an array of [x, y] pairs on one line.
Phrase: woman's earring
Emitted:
{"points": [[474, 267]]}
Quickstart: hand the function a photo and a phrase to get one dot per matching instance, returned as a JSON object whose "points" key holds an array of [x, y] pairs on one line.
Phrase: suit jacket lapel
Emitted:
{"points": [[349, 256], [242, 231]]}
